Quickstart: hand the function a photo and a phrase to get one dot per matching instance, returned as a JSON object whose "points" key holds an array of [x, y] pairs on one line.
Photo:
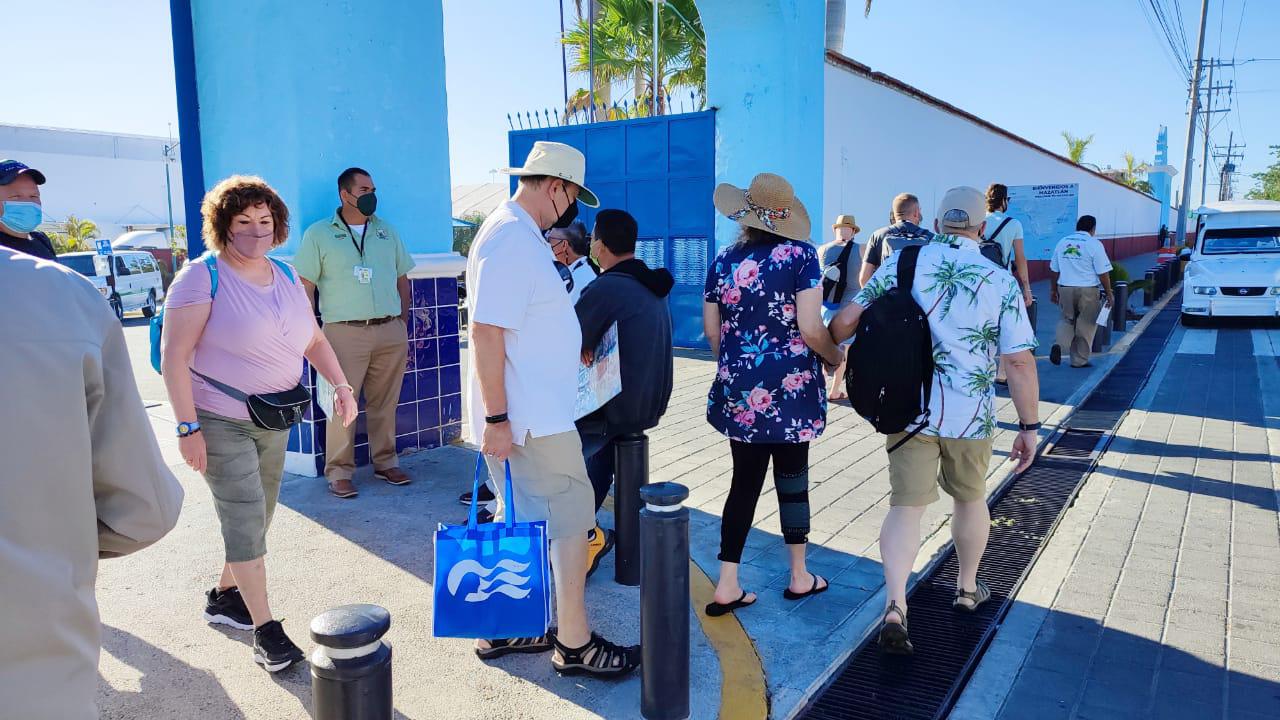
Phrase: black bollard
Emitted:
{"points": [[1120, 311], [664, 602], [631, 472], [1149, 292], [351, 665], [1162, 283]]}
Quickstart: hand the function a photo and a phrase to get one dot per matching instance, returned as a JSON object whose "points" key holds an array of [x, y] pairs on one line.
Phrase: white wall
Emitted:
{"points": [[113, 180], [881, 141]]}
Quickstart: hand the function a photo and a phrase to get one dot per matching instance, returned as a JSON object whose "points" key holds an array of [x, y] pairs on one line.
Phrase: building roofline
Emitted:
{"points": [[78, 131], [846, 63]]}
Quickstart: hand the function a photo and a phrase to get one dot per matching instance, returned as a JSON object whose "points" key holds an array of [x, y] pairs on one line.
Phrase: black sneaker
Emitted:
{"points": [[226, 607], [486, 495], [1055, 354], [272, 649]]}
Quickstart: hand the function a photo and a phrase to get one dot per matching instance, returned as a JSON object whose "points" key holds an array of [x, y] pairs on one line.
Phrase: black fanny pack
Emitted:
{"points": [[269, 411]]}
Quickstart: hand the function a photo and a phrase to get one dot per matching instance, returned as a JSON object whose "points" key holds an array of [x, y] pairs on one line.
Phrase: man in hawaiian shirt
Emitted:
{"points": [[976, 316]]}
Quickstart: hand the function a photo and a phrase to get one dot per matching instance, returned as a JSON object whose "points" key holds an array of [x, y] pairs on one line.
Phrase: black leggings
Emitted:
{"points": [[791, 482]]}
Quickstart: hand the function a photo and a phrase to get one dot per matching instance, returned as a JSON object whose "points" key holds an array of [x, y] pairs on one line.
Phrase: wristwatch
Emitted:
{"points": [[1026, 427], [187, 429], [496, 419]]}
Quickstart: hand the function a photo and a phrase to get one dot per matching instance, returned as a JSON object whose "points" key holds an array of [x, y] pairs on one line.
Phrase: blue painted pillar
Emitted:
{"points": [[765, 66], [298, 91]]}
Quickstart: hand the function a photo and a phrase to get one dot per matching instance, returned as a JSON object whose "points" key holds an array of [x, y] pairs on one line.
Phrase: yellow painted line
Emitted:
{"points": [[743, 694]]}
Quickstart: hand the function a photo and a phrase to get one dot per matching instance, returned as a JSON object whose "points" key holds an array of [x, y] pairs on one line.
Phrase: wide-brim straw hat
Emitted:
{"points": [[848, 221], [769, 204], [558, 160]]}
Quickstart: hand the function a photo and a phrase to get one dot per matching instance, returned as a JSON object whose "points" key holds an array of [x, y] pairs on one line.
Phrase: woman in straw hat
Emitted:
{"points": [[762, 317], [839, 283]]}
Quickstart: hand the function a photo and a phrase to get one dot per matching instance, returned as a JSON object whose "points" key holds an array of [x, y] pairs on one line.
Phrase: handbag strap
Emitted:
{"points": [[508, 505], [231, 392]]}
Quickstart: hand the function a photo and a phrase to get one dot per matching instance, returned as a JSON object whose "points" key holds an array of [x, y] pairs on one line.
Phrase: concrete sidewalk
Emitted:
{"points": [[166, 663], [1156, 595]]}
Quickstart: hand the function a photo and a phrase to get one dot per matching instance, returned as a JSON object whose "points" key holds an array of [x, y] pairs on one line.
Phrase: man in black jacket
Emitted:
{"points": [[634, 296]]}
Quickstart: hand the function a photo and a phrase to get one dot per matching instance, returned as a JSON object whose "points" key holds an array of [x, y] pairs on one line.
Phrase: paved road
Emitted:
{"points": [[1156, 596]]}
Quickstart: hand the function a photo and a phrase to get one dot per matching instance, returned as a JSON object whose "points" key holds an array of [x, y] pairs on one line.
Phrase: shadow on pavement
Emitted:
{"points": [[164, 678], [1079, 668]]}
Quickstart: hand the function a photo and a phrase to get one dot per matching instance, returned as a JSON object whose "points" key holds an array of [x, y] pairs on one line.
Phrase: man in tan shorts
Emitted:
{"points": [[976, 317], [525, 348]]}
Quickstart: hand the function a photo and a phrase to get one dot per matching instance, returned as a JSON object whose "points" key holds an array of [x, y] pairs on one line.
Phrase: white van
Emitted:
{"points": [[129, 280], [1234, 268]]}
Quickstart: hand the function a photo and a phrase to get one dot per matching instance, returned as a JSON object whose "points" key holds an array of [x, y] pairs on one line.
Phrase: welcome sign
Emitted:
{"points": [[1048, 213]]}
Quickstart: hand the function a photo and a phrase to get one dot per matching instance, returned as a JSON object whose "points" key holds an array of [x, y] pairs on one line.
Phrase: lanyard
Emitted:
{"points": [[351, 233]]}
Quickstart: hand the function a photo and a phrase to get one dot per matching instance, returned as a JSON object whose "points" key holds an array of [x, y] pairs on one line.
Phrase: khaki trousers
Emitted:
{"points": [[1080, 306], [373, 359]]}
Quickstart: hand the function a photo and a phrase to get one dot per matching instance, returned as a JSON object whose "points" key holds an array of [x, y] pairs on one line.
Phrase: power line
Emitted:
{"points": [[1244, 4], [1170, 53]]}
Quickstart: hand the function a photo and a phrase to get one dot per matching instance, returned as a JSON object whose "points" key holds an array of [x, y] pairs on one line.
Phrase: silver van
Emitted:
{"points": [[129, 279]]}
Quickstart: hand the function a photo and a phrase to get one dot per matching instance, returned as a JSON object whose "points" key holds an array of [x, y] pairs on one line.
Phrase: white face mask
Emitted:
{"points": [[251, 244]]}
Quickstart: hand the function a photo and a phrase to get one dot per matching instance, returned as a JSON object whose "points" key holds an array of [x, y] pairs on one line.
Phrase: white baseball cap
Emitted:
{"points": [[962, 208], [557, 160]]}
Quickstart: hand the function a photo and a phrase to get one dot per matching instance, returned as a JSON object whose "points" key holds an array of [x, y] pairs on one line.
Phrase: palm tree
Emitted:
{"points": [[980, 382], [942, 368], [952, 278], [77, 235], [1076, 146], [1133, 170], [623, 47]]}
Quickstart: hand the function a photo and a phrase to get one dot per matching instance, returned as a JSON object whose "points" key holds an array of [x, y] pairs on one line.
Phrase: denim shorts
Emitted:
{"points": [[244, 466]]}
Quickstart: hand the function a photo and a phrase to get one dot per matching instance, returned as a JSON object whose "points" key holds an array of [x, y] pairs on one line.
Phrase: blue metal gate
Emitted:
{"points": [[662, 171]]}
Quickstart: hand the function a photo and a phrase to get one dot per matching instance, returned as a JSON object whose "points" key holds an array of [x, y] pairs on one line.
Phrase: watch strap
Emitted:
{"points": [[1025, 427], [496, 419]]}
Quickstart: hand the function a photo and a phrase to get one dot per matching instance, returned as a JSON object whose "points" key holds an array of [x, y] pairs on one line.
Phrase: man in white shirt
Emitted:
{"points": [[1079, 264], [525, 347], [572, 246]]}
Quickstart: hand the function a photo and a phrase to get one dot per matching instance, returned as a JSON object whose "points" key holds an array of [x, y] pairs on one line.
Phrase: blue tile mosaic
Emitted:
{"points": [[423, 323], [362, 454], [408, 388], [447, 292], [429, 414], [407, 416], [450, 380], [450, 434], [295, 439], [447, 321], [428, 384], [362, 429], [406, 442], [450, 409], [427, 356], [424, 292], [449, 352], [411, 359], [429, 438]]}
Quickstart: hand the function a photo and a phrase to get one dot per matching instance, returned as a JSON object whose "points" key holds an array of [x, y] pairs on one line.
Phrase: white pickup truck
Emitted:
{"points": [[1234, 268]]}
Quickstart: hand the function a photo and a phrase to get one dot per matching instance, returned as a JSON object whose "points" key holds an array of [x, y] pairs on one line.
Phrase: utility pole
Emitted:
{"points": [[591, 56], [1191, 125], [1208, 118], [657, 79], [1225, 191], [564, 62]]}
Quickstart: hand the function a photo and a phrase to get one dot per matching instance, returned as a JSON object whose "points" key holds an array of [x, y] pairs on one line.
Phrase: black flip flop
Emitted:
{"points": [[498, 648], [715, 609], [815, 590]]}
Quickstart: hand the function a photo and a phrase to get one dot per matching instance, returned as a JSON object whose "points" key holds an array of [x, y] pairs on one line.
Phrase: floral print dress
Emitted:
{"points": [[769, 386]]}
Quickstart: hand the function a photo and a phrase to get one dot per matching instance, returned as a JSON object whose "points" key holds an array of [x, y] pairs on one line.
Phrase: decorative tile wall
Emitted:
{"points": [[429, 413]]}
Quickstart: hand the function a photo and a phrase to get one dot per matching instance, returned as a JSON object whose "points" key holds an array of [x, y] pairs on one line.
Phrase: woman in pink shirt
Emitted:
{"points": [[250, 334]]}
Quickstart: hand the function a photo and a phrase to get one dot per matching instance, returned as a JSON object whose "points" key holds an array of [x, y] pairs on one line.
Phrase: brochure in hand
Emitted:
{"points": [[601, 381]]}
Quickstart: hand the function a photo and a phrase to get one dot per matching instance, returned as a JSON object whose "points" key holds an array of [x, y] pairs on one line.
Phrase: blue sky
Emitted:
{"points": [[1034, 68]]}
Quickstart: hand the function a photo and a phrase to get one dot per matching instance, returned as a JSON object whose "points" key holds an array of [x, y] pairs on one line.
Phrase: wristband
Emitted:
{"points": [[187, 429], [1028, 427], [496, 419], [336, 388]]}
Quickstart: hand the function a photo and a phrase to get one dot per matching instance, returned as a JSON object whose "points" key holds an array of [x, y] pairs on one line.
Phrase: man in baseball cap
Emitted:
{"points": [[976, 317], [20, 212]]}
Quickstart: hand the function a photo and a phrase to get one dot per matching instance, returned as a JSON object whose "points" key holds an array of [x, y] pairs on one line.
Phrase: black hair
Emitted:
{"points": [[617, 230], [576, 236], [347, 178], [1087, 223], [755, 236]]}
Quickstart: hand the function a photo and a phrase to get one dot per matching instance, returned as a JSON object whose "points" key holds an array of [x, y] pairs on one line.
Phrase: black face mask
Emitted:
{"points": [[568, 216], [367, 204]]}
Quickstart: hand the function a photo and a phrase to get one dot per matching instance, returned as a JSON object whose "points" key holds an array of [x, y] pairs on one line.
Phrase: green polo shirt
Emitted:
{"points": [[328, 259]]}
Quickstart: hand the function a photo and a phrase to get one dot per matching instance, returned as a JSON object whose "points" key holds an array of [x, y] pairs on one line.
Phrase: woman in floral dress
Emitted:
{"points": [[762, 315]]}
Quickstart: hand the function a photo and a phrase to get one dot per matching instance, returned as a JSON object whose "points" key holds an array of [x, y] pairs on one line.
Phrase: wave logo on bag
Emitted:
{"points": [[501, 579]]}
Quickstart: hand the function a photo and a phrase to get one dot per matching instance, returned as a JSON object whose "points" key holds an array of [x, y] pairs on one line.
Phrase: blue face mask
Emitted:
{"points": [[21, 217]]}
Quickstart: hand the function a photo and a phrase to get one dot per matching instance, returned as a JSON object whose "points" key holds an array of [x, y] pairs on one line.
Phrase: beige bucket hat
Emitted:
{"points": [[557, 160], [769, 204], [848, 221]]}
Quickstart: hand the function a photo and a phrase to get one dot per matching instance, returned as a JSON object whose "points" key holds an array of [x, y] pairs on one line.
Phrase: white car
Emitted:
{"points": [[1234, 269], [128, 279]]}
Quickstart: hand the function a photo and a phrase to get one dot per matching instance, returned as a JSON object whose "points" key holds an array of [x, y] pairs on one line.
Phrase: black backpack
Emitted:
{"points": [[834, 290], [991, 249], [889, 374]]}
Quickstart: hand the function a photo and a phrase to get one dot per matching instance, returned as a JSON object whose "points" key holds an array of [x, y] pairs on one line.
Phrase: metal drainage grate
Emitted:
{"points": [[949, 644]]}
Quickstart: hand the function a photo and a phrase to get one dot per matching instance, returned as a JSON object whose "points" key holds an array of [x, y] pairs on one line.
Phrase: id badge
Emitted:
{"points": [[364, 275]]}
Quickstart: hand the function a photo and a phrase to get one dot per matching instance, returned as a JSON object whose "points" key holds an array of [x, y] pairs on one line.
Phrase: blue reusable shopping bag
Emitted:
{"points": [[492, 581]]}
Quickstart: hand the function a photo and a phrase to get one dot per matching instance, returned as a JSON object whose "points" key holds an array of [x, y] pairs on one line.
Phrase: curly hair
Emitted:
{"points": [[233, 196]]}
